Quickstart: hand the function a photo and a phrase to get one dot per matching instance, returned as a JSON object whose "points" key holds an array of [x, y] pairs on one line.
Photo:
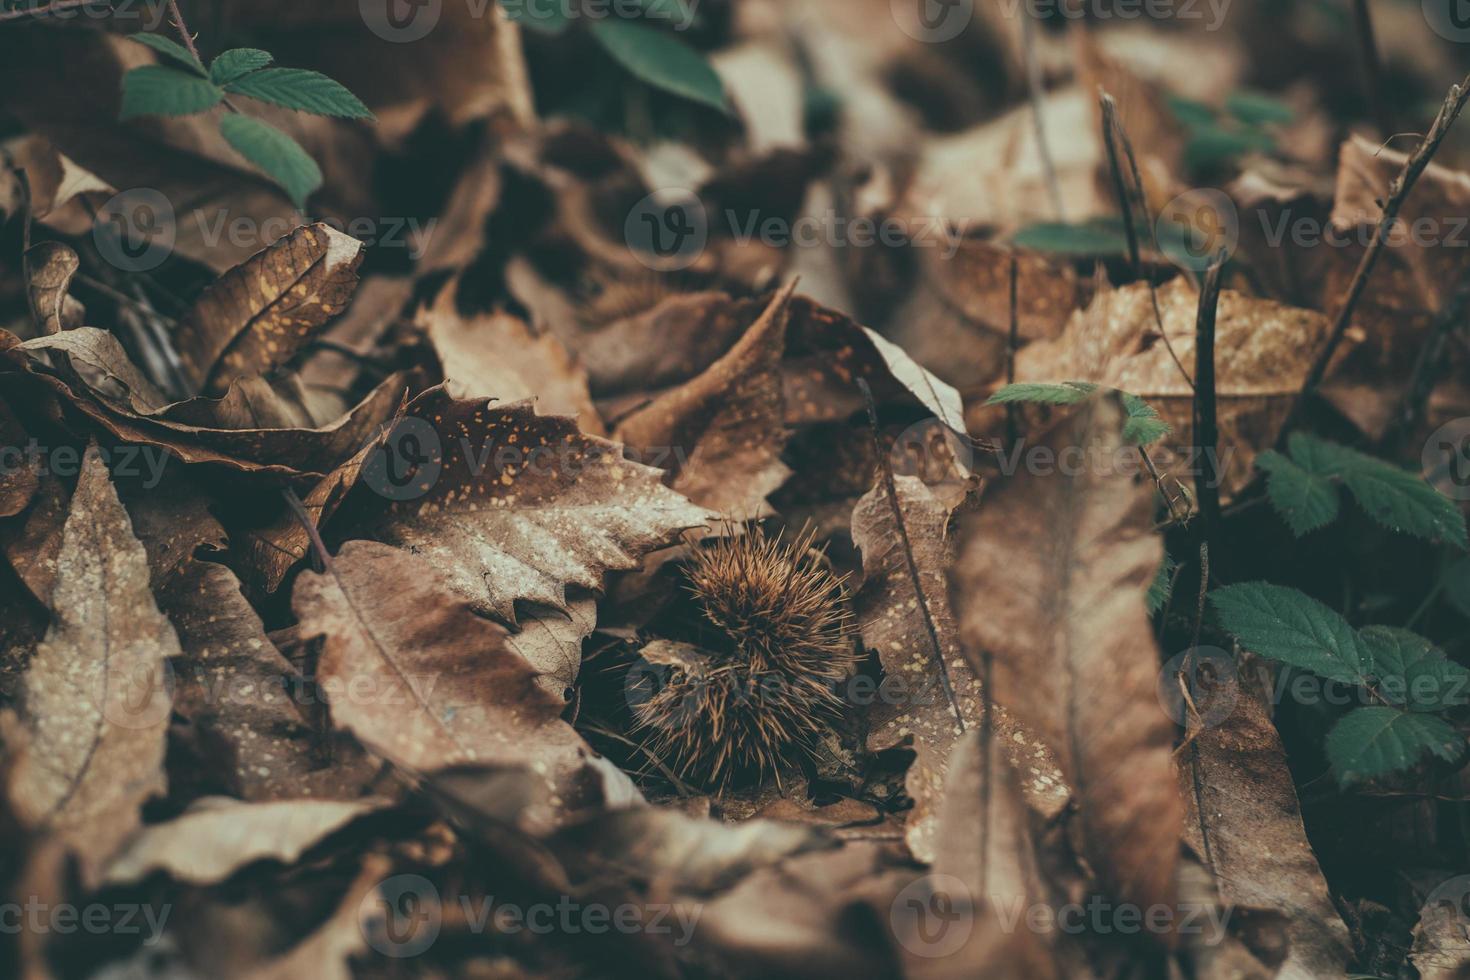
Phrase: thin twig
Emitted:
{"points": [[891, 489], [1426, 367], [1398, 191], [1371, 68], [1013, 411], [1034, 85], [323, 558], [1125, 201], [1206, 426]]}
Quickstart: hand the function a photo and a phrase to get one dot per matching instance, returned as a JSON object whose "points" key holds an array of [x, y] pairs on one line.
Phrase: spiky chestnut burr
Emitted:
{"points": [[766, 679]]}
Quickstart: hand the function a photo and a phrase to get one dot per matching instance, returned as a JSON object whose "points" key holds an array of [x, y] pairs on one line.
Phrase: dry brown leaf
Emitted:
{"points": [[720, 435], [911, 707], [1441, 949], [1050, 579], [51, 266], [325, 954], [551, 642], [19, 478], [514, 506], [497, 355], [96, 706], [1263, 351], [218, 836], [427, 683], [256, 316]]}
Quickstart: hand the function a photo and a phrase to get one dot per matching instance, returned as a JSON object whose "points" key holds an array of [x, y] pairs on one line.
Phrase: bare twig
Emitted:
{"points": [[891, 490], [1372, 71], [323, 558], [1399, 190], [1125, 200], [1013, 424], [1426, 367], [1206, 427]]}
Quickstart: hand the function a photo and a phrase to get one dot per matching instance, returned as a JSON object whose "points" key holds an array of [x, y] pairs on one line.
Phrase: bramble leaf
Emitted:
{"points": [[170, 49], [662, 61], [281, 157], [1286, 625], [1412, 672], [236, 62], [303, 90], [1371, 741], [157, 90], [1304, 500]]}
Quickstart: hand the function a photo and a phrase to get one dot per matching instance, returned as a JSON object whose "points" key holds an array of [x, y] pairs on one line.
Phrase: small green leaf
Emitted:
{"points": [[274, 152], [1257, 108], [1286, 625], [306, 91], [170, 49], [1191, 112], [1396, 498], [234, 63], [1163, 584], [1304, 500], [156, 90], [1099, 237], [1412, 672], [1144, 426], [1369, 742], [662, 61], [1214, 146], [1067, 393]]}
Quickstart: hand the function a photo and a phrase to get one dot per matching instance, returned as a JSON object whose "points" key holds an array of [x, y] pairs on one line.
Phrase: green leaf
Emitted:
{"points": [[1286, 625], [1143, 425], [1396, 498], [1214, 146], [236, 62], [156, 90], [170, 49], [1457, 586], [1304, 500], [1099, 237], [1369, 742], [1163, 584], [662, 61], [274, 152], [1412, 672], [1191, 112], [1257, 108], [298, 88]]}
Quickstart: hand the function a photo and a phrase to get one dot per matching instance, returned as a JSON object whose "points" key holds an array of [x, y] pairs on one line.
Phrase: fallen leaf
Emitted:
{"points": [[51, 266]]}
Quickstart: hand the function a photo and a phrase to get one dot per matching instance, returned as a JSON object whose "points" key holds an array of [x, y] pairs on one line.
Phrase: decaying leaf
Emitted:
{"points": [[52, 266], [1050, 578], [97, 700]]}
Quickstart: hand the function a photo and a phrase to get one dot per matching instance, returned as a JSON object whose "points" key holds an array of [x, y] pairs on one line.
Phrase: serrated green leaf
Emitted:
{"points": [[1369, 742], [1283, 624], [1258, 108], [1412, 672], [1099, 237], [156, 90], [1067, 393], [1144, 426], [170, 49], [1162, 585], [1457, 586], [236, 62], [1304, 500], [662, 61], [303, 90], [1396, 498], [275, 153]]}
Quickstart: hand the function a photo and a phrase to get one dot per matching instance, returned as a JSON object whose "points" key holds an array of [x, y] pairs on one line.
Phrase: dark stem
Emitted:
{"points": [[1125, 200], [1013, 425], [1427, 366], [322, 559], [1371, 68], [1206, 423]]}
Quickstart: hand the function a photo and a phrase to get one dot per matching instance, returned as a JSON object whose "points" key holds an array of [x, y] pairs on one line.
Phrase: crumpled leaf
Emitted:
{"points": [[256, 316], [96, 706], [514, 506], [428, 684], [720, 435], [51, 267], [917, 709], [1051, 578]]}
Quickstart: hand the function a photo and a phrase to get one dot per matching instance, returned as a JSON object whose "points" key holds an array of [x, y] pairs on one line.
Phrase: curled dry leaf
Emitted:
{"points": [[514, 506], [720, 435], [258, 314], [1050, 578], [1263, 351], [905, 628], [96, 704], [425, 682], [50, 267], [218, 836]]}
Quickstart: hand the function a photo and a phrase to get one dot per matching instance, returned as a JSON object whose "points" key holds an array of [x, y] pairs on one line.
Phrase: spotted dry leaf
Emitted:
{"points": [[259, 313], [1263, 351], [424, 681], [96, 705], [1050, 578], [911, 707], [514, 506], [720, 435], [50, 267]]}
